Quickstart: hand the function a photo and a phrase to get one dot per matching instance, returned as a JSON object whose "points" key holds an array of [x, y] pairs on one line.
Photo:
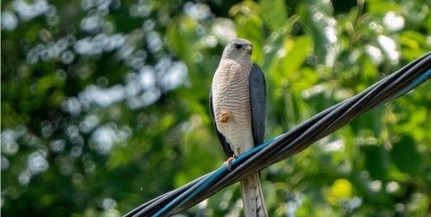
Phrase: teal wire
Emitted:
{"points": [[212, 177], [209, 180]]}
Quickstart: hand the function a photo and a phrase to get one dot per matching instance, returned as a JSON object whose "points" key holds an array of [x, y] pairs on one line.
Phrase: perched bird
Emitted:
{"points": [[238, 109]]}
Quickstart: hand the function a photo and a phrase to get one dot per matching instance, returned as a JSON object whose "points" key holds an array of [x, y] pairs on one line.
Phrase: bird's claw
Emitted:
{"points": [[229, 161]]}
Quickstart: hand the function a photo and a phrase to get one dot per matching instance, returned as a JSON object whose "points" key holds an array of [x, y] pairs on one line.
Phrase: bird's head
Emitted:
{"points": [[238, 49]]}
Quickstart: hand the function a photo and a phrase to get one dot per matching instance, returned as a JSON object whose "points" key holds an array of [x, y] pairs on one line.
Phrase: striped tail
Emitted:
{"points": [[252, 197]]}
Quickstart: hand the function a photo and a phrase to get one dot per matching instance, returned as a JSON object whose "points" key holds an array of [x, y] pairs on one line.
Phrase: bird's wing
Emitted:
{"points": [[257, 94], [221, 138]]}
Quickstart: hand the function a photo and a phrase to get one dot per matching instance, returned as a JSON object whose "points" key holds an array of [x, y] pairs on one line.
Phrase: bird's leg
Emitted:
{"points": [[229, 161]]}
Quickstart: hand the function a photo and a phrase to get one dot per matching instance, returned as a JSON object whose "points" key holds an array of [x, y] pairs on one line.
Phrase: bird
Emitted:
{"points": [[238, 110]]}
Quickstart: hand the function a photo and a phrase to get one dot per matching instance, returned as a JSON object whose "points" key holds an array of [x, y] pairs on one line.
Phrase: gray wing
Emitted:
{"points": [[221, 138], [257, 92]]}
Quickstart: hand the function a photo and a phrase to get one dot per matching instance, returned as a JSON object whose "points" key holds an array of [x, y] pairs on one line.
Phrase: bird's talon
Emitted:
{"points": [[229, 161]]}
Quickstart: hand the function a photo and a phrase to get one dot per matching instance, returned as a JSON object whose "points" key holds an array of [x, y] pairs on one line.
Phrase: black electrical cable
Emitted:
{"points": [[292, 142]]}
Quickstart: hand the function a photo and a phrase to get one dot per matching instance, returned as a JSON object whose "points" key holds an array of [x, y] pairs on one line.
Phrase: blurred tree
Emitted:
{"points": [[104, 104]]}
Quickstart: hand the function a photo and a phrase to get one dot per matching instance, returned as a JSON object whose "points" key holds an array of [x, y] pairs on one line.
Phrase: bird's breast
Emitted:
{"points": [[231, 92], [231, 102]]}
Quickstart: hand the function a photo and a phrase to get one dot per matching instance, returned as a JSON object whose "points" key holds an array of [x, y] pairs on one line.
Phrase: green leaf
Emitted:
{"points": [[274, 13], [376, 161], [406, 156]]}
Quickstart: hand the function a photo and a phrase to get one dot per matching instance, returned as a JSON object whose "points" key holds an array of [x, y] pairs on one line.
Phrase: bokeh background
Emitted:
{"points": [[104, 104]]}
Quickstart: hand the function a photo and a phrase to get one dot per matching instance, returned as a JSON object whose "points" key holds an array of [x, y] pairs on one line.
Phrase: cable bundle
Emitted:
{"points": [[290, 143]]}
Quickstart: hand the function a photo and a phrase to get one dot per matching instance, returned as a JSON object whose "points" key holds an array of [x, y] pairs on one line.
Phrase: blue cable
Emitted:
{"points": [[209, 180], [212, 177], [414, 84]]}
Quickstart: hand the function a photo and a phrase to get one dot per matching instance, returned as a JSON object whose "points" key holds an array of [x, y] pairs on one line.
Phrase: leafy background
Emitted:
{"points": [[104, 104]]}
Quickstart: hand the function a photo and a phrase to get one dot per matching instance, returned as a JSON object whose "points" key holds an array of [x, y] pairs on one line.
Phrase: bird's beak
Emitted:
{"points": [[249, 49]]}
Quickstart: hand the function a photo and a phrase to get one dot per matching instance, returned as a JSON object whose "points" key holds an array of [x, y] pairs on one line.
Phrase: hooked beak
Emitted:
{"points": [[249, 49]]}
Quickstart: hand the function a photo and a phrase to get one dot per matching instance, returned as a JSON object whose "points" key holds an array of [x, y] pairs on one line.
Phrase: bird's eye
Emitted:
{"points": [[238, 46]]}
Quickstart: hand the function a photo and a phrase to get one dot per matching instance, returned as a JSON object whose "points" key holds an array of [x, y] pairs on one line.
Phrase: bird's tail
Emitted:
{"points": [[252, 197]]}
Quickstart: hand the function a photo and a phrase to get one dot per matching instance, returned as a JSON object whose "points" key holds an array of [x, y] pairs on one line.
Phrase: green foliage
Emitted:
{"points": [[105, 104]]}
